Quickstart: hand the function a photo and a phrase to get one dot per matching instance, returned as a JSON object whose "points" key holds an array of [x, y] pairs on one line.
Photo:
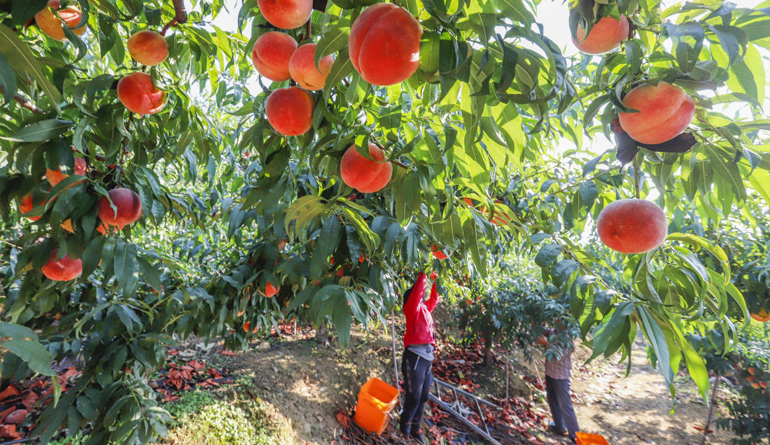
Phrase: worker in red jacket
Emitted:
{"points": [[417, 361]]}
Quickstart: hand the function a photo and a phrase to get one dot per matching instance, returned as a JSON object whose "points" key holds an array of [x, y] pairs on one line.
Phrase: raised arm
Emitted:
{"points": [[415, 297], [434, 298]]}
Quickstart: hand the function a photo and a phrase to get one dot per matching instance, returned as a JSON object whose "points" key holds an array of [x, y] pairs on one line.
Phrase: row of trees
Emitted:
{"points": [[231, 206]]}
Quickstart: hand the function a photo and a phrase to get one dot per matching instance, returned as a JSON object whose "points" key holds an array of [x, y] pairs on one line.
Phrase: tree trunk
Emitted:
{"points": [[711, 410], [322, 334], [488, 359]]}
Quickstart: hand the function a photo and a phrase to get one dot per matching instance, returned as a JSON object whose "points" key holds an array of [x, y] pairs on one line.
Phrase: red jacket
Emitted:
{"points": [[419, 321]]}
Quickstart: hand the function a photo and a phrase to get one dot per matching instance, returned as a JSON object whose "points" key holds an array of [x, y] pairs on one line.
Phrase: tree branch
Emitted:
{"points": [[570, 187], [179, 18], [181, 12], [26, 103]]}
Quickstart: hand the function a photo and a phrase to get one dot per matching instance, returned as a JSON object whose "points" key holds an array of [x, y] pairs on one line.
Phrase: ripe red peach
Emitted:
{"points": [[438, 253], [665, 111], [129, 207], [272, 53], [51, 25], [290, 111], [137, 93], [104, 229], [286, 14], [26, 205], [56, 176], [365, 175], [148, 47], [604, 36], [62, 269], [303, 69], [385, 44], [271, 290], [763, 317], [632, 226]]}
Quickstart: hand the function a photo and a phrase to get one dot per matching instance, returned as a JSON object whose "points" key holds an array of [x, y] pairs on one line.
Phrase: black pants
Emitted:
{"points": [[560, 402], [418, 376]]}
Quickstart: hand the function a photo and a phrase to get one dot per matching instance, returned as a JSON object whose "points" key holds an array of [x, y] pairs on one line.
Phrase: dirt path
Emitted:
{"points": [[309, 384], [636, 409]]}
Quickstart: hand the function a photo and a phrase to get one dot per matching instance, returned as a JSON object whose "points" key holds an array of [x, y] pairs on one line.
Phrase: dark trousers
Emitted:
{"points": [[559, 400], [418, 376]]}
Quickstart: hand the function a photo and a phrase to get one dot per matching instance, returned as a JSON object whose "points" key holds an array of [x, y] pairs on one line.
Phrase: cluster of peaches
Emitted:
{"points": [[664, 111], [127, 210], [384, 48], [136, 91], [138, 94]]}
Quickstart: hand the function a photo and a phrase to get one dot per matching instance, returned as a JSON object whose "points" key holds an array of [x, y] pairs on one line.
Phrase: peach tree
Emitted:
{"points": [[161, 174]]}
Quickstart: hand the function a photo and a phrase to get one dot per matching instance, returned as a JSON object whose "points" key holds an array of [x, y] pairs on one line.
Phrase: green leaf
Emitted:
{"points": [[547, 255], [41, 131], [7, 80], [341, 69], [476, 245], [17, 332], [562, 271], [611, 329], [658, 343], [588, 194], [332, 40], [342, 319], [33, 353], [26, 64]]}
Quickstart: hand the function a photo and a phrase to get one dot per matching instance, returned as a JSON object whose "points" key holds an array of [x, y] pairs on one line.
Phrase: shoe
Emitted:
{"points": [[553, 429], [419, 437]]}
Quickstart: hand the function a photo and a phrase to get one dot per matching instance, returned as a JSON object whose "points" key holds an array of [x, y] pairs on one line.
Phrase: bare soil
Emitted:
{"points": [[308, 383], [637, 409]]}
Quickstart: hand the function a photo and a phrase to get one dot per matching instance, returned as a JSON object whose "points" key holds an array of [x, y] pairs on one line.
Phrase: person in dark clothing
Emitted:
{"points": [[558, 373], [417, 361]]}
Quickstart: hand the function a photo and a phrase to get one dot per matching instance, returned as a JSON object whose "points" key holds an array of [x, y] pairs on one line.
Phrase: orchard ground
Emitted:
{"points": [[304, 385]]}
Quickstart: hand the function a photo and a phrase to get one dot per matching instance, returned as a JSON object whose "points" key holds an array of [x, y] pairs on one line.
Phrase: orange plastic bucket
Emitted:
{"points": [[591, 439], [375, 400]]}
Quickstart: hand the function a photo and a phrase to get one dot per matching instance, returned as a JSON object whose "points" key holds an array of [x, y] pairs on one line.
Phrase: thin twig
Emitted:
{"points": [[392, 161], [168, 25], [569, 187], [10, 244], [26, 103], [400, 165]]}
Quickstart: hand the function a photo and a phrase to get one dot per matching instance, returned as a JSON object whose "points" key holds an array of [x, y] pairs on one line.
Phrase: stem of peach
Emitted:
{"points": [[168, 25], [392, 161], [636, 175], [125, 150], [308, 29]]}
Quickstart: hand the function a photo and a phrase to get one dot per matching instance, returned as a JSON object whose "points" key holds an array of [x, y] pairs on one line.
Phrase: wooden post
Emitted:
{"points": [[395, 357], [711, 409], [507, 375]]}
